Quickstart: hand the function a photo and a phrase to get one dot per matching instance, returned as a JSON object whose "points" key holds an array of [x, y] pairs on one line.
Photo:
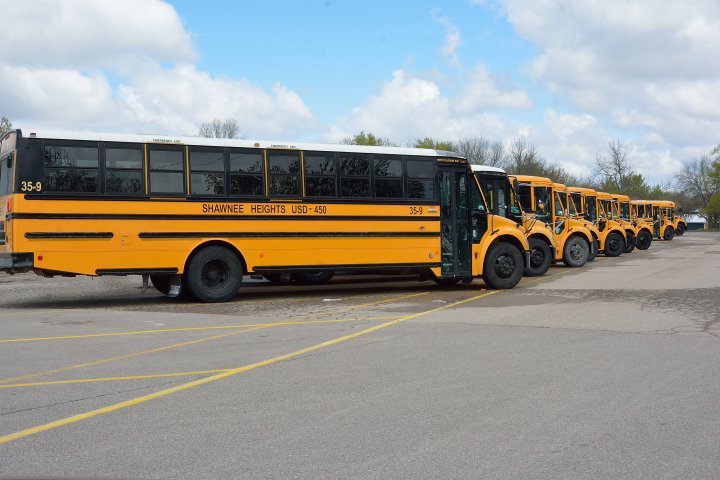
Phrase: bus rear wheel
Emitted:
{"points": [[614, 245], [644, 240], [214, 274], [503, 267], [539, 258], [630, 242], [576, 252], [669, 233]]}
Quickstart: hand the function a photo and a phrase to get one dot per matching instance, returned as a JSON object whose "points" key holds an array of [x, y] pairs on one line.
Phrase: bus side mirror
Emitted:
{"points": [[516, 184], [9, 161]]}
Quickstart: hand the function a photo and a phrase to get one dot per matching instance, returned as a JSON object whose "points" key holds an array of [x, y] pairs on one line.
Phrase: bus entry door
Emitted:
{"points": [[454, 221]]}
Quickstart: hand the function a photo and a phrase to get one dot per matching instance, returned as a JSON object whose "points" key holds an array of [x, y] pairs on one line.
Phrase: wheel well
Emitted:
{"points": [[578, 234], [629, 232], [510, 239], [219, 243], [541, 237]]}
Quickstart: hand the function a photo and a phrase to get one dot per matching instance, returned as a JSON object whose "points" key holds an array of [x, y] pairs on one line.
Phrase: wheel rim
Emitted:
{"points": [[504, 266], [576, 251], [536, 258], [614, 244], [215, 274]]}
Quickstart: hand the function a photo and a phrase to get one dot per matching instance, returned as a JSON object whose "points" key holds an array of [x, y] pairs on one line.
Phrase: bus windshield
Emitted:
{"points": [[6, 175], [591, 208], [625, 210]]}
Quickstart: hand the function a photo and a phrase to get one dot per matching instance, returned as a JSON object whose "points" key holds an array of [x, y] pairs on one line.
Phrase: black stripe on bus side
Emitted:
{"points": [[357, 267], [141, 216], [68, 235], [135, 271], [284, 234]]}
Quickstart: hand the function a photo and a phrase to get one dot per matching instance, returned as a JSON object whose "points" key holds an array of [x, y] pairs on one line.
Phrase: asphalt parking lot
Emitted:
{"points": [[609, 371]]}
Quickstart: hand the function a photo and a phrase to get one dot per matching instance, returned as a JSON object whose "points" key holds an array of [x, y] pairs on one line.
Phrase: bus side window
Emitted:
{"points": [[354, 176], [284, 170], [420, 183], [207, 171], [388, 177], [247, 172], [71, 168], [167, 170], [320, 174], [124, 169], [525, 198]]}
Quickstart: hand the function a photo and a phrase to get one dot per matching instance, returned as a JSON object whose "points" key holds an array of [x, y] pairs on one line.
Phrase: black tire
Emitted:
{"points": [[644, 240], [161, 282], [503, 266], [446, 282], [680, 231], [614, 244], [669, 234], [576, 251], [594, 247], [540, 258], [214, 274], [630, 242], [320, 277]]}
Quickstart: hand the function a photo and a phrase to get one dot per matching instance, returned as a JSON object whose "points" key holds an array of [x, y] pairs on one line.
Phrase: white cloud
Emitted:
{"points": [[58, 57], [452, 36], [92, 33], [644, 64], [485, 91], [409, 107]]}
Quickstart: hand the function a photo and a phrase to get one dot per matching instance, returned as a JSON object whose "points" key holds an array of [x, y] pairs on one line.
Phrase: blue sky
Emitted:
{"points": [[336, 53], [567, 76]]}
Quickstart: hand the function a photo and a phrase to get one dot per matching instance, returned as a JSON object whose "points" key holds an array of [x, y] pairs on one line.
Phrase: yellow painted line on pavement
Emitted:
{"points": [[194, 329], [126, 356], [115, 379], [220, 327], [229, 373]]}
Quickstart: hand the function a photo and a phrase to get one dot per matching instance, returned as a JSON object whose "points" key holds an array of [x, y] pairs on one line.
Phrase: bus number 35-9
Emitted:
{"points": [[416, 210], [30, 186]]}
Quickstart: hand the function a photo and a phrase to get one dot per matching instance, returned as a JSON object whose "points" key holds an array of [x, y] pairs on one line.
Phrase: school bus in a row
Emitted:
{"points": [[195, 214]]}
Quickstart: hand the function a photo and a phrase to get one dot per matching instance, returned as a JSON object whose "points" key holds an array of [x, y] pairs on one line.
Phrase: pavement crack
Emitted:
{"points": [[75, 400]]}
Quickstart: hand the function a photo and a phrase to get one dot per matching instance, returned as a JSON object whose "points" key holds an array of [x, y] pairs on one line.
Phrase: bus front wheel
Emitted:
{"points": [[539, 258], [594, 247], [614, 245], [214, 274], [644, 240], [161, 282], [669, 233], [576, 252], [503, 266], [680, 230]]}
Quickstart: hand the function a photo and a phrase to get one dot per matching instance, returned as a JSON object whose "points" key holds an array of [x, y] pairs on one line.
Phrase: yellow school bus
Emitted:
{"points": [[621, 206], [574, 209], [548, 201], [664, 218], [502, 199], [642, 215], [195, 215], [612, 238]]}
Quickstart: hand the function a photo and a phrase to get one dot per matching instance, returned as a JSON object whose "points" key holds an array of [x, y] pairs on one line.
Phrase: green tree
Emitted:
{"points": [[428, 142], [5, 125], [699, 179], [363, 138]]}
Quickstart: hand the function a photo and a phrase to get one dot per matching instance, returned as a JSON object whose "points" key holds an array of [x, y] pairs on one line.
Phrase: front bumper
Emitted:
{"points": [[16, 262]]}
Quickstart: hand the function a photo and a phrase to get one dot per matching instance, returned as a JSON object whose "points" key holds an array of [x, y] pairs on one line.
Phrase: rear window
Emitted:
{"points": [[6, 175]]}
